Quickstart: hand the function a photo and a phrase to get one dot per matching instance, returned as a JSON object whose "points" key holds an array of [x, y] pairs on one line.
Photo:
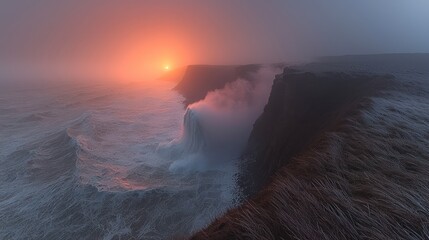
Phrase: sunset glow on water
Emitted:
{"points": [[220, 119]]}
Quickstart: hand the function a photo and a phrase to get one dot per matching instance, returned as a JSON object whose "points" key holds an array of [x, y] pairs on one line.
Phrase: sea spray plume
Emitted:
{"points": [[193, 135], [191, 141], [216, 129], [227, 115]]}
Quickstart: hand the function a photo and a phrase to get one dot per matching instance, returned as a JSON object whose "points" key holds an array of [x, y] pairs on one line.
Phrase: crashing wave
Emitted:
{"points": [[192, 140], [193, 137]]}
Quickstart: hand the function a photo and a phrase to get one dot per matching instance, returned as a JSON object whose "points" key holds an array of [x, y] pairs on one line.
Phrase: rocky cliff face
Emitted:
{"points": [[302, 106], [340, 152]]}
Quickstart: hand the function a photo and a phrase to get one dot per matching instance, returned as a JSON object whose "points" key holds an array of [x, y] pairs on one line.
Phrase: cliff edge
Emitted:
{"points": [[341, 151], [302, 106]]}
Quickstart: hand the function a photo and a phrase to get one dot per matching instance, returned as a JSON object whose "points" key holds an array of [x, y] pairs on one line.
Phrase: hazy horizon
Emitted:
{"points": [[136, 39]]}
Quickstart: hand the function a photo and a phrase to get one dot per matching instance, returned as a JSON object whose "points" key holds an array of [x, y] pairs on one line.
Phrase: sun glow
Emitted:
{"points": [[167, 68]]}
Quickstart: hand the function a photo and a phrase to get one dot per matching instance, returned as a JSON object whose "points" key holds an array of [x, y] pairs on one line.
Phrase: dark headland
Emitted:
{"points": [[198, 80], [341, 151]]}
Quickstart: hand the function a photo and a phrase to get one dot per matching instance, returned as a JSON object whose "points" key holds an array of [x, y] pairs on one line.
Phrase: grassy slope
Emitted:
{"points": [[364, 175]]}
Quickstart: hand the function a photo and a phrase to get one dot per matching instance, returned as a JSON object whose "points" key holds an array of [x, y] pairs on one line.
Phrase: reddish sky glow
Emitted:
{"points": [[131, 39]]}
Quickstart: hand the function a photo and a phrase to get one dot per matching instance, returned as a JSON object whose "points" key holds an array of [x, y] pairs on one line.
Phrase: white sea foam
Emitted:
{"points": [[109, 161]]}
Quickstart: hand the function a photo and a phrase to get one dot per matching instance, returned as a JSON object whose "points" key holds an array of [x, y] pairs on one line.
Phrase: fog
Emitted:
{"points": [[216, 129], [134, 39]]}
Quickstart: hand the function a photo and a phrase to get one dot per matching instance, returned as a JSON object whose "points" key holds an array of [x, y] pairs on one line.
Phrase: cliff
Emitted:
{"points": [[302, 106], [340, 152]]}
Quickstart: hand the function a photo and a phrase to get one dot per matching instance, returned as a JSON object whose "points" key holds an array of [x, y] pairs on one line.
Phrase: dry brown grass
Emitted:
{"points": [[367, 179]]}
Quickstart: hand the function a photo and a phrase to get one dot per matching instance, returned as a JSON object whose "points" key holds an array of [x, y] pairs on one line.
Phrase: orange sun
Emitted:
{"points": [[167, 68]]}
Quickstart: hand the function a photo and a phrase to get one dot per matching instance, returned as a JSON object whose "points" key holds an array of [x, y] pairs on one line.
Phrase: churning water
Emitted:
{"points": [[105, 161]]}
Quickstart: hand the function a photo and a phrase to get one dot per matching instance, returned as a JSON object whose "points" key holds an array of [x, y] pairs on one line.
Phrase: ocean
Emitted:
{"points": [[99, 161]]}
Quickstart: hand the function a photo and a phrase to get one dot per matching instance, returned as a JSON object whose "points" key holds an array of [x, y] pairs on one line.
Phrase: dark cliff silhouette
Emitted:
{"points": [[198, 80], [340, 152]]}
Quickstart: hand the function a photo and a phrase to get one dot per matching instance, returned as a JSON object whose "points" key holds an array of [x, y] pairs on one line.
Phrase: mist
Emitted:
{"points": [[216, 129], [134, 39], [227, 115]]}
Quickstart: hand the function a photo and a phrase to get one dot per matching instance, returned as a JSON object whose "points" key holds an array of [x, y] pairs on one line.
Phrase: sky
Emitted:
{"points": [[137, 39]]}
